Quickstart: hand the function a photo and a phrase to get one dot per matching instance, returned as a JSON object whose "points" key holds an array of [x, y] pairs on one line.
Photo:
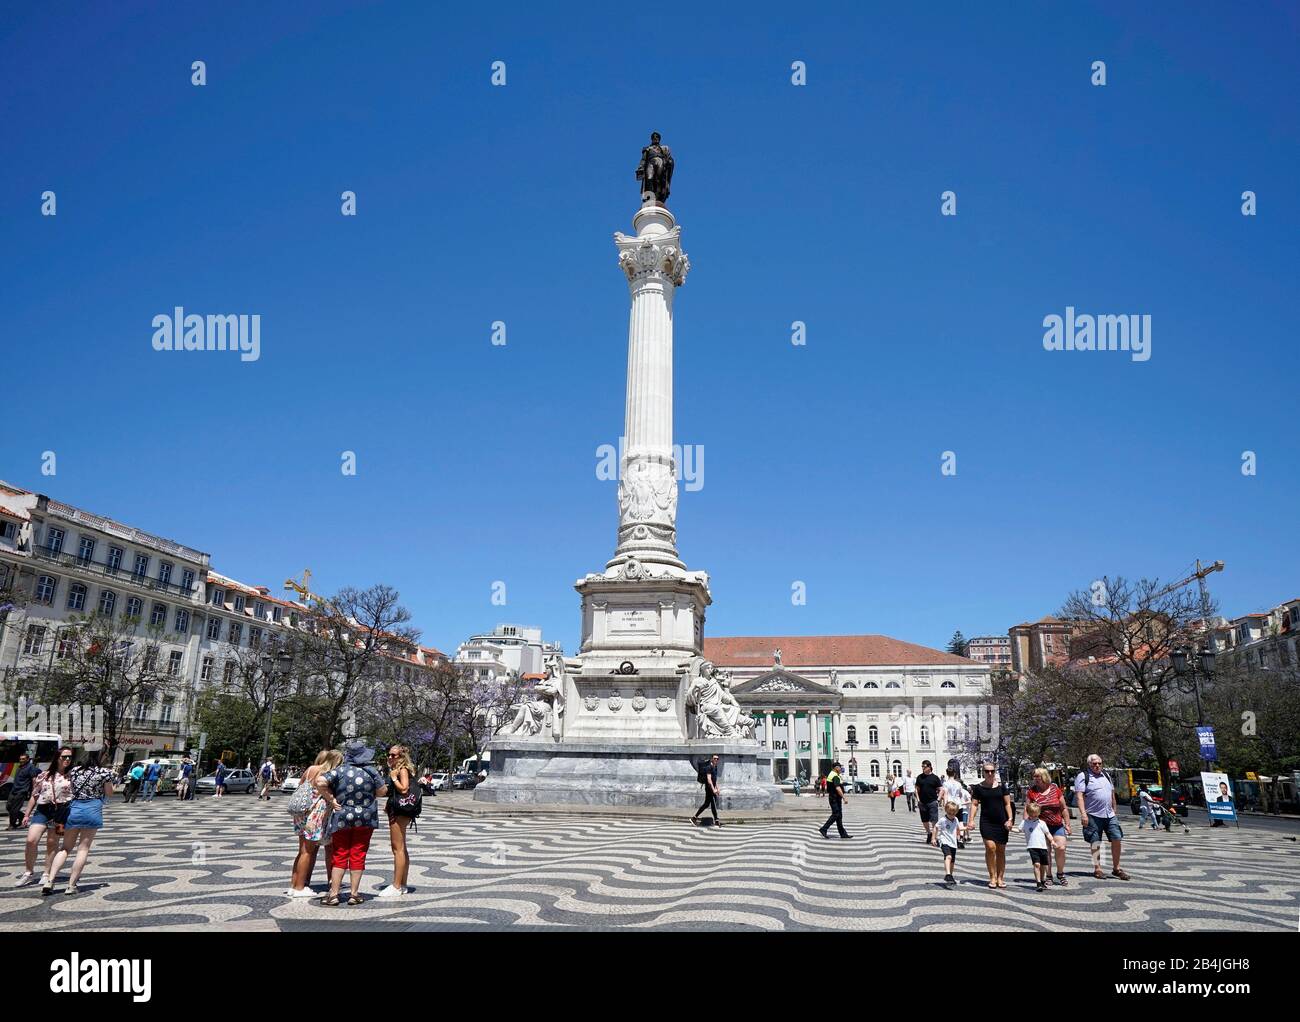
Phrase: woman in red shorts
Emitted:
{"points": [[351, 789], [1055, 815]]}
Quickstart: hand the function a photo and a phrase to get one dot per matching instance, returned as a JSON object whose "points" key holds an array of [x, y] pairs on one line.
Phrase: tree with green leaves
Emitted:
{"points": [[957, 644]]}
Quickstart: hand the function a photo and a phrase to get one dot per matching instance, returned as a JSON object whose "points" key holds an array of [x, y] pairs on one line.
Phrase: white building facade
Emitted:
{"points": [[508, 650], [899, 703]]}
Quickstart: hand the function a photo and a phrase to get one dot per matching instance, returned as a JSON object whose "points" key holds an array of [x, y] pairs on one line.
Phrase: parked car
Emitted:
{"points": [[787, 784], [861, 786], [290, 783], [462, 782], [236, 781], [431, 783]]}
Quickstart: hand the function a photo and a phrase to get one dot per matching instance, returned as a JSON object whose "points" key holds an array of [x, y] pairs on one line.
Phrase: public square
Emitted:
{"points": [[184, 866]]}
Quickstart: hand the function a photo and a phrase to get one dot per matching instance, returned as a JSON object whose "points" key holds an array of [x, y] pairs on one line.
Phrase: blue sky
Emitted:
{"points": [[820, 203]]}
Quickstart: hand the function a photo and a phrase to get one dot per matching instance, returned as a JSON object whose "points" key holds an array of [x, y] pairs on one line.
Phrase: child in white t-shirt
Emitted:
{"points": [[1038, 840], [950, 830]]}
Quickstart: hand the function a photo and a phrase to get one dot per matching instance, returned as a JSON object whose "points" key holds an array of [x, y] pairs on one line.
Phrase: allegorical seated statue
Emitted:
{"points": [[548, 697], [655, 172], [716, 709]]}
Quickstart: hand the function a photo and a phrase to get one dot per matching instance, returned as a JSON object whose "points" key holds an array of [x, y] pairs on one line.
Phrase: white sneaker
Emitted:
{"points": [[25, 878], [306, 892], [391, 892]]}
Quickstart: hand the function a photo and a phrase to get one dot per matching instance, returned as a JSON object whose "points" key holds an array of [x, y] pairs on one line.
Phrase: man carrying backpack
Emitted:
{"points": [[707, 774], [268, 778]]}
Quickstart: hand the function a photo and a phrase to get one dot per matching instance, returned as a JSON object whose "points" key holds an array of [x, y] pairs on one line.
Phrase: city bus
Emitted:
{"points": [[41, 746]]}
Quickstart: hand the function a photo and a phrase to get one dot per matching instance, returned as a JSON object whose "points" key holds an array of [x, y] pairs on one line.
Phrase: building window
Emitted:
{"points": [[219, 597], [205, 672], [54, 541], [166, 717], [76, 596], [141, 712], [259, 611], [115, 555], [895, 737], [276, 614], [45, 586], [873, 736], [871, 684], [892, 684], [182, 621], [239, 601], [65, 644], [875, 768], [214, 627], [187, 580], [150, 660], [158, 616], [86, 551], [898, 768], [952, 737], [925, 736], [141, 565], [235, 633], [34, 639], [947, 684], [228, 672], [107, 601], [164, 572], [174, 663], [8, 530], [134, 607], [254, 638]]}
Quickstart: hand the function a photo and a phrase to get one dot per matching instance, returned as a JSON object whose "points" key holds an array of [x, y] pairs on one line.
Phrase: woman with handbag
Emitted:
{"points": [[402, 807], [891, 786], [352, 790], [91, 786], [47, 810], [311, 819]]}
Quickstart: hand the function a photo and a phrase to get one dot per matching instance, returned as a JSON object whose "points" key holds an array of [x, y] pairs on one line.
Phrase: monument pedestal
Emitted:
{"points": [[627, 774]]}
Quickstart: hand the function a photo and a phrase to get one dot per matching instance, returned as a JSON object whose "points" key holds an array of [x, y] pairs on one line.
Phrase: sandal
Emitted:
{"points": [[1099, 874], [354, 899], [993, 885], [1061, 881], [1119, 874], [1002, 885], [330, 899]]}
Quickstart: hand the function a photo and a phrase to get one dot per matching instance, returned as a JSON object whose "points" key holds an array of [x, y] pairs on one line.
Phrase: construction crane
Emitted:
{"points": [[1199, 576], [301, 588]]}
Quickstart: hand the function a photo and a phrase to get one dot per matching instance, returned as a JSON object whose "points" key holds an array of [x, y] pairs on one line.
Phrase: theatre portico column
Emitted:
{"points": [[769, 728], [793, 768], [813, 771]]}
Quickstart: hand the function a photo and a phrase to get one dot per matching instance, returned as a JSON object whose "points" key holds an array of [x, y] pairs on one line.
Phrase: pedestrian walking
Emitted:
{"points": [[151, 776], [955, 791], [311, 818], [46, 813], [219, 782], [991, 806], [927, 788], [24, 775], [1038, 842], [92, 785], [909, 790], [268, 778], [1053, 811], [835, 795], [951, 835], [708, 776], [354, 818], [1146, 813], [402, 807], [1095, 795], [185, 779], [891, 789], [134, 778]]}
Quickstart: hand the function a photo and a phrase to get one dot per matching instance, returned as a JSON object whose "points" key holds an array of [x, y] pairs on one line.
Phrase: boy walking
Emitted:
{"points": [[1038, 840]]}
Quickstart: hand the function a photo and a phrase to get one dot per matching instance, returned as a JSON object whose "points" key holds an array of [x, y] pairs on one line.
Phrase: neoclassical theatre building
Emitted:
{"points": [[903, 702]]}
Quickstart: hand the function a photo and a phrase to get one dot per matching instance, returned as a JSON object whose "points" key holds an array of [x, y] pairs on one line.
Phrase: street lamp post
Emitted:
{"points": [[269, 665], [1185, 673]]}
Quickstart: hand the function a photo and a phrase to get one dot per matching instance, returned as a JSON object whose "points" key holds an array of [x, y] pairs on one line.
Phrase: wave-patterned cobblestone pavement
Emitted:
{"points": [[226, 863]]}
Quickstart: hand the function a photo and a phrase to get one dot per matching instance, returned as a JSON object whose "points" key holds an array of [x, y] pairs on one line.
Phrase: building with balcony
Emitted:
{"points": [[506, 651]]}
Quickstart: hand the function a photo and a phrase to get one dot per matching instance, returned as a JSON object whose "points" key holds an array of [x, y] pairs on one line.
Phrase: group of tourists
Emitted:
{"points": [[1045, 828], [336, 808], [64, 805]]}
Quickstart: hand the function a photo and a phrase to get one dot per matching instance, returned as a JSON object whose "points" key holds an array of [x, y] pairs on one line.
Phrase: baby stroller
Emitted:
{"points": [[1167, 816]]}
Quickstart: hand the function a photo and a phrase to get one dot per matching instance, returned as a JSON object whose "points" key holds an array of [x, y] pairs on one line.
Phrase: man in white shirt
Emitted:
{"points": [[909, 789]]}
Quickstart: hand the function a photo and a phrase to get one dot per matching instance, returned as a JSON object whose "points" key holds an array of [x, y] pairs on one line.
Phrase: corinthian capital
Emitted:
{"points": [[660, 255]]}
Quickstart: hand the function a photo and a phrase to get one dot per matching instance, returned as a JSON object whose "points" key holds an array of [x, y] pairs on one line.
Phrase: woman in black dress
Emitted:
{"points": [[991, 805]]}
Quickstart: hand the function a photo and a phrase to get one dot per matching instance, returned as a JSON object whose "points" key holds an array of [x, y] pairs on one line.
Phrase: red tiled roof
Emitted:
{"points": [[825, 650]]}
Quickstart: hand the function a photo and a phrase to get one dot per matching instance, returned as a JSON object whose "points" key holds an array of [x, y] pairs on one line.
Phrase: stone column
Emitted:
{"points": [[790, 754], [655, 266], [769, 729], [812, 746]]}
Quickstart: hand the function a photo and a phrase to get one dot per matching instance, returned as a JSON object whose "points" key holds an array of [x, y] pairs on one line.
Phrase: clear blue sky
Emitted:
{"points": [[819, 203]]}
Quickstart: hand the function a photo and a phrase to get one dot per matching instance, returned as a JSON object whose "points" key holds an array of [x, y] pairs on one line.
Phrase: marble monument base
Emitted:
{"points": [[627, 774]]}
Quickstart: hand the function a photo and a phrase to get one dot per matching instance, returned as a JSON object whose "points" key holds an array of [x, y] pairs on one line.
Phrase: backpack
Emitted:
{"points": [[409, 804], [702, 772], [266, 771]]}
